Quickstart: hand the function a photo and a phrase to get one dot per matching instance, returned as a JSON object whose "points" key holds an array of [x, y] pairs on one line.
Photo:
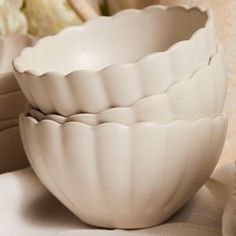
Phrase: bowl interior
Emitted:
{"points": [[124, 38]]}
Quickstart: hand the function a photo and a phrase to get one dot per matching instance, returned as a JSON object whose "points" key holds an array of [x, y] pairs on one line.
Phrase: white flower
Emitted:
{"points": [[12, 20], [49, 16]]}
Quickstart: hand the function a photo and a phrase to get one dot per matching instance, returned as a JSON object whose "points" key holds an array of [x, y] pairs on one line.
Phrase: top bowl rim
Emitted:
{"points": [[99, 20]]}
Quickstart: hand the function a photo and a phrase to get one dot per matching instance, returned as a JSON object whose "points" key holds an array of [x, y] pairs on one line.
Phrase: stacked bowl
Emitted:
{"points": [[12, 103], [125, 120]]}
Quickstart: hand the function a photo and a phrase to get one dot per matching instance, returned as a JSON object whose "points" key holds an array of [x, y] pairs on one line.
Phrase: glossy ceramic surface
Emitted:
{"points": [[119, 176], [117, 61]]}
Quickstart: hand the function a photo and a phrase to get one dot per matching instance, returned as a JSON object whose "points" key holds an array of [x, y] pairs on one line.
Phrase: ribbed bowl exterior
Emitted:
{"points": [[119, 84], [119, 176]]}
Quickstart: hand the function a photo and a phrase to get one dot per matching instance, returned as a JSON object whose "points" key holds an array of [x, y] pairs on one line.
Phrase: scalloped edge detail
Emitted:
{"points": [[93, 92], [202, 95]]}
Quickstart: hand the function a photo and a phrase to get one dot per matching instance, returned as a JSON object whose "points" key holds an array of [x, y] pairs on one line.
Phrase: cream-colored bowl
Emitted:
{"points": [[115, 61], [119, 176], [202, 95]]}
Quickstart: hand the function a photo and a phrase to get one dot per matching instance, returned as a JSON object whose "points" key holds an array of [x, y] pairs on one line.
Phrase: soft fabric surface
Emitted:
{"points": [[27, 208]]}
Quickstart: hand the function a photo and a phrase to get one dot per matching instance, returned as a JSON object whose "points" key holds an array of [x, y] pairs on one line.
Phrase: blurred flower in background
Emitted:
{"points": [[39, 17], [47, 17], [12, 20]]}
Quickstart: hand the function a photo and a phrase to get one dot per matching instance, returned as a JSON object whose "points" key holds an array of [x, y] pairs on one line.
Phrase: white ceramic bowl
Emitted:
{"points": [[119, 176], [115, 61], [202, 95]]}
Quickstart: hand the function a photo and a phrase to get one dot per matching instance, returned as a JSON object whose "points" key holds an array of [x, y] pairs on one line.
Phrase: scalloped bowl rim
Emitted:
{"points": [[144, 123], [100, 20]]}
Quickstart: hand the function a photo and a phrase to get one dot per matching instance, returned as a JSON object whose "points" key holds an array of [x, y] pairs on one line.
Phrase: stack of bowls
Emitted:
{"points": [[12, 103], [126, 122]]}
